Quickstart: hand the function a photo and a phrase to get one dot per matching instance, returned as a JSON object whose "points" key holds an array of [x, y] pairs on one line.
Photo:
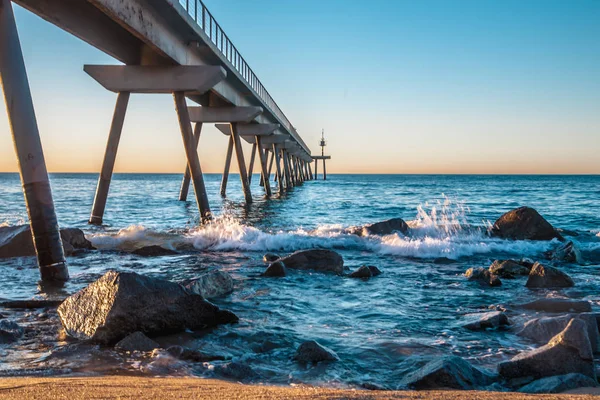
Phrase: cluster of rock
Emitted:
{"points": [[17, 241]]}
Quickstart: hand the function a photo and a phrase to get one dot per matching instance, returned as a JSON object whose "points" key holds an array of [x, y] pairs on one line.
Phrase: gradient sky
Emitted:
{"points": [[479, 86]]}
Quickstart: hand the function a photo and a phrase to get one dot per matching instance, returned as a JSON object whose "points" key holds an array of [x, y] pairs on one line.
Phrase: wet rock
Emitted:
{"points": [[10, 331], [120, 303], [153, 251], [508, 269], [275, 270], [568, 352], [541, 330], [559, 384], [558, 305], [236, 370], [442, 372], [374, 270], [270, 257], [524, 223], [362, 272], [316, 260], [313, 352], [137, 341], [487, 320], [566, 252], [16, 241], [185, 354], [385, 227], [211, 284], [31, 304], [542, 276], [483, 276]]}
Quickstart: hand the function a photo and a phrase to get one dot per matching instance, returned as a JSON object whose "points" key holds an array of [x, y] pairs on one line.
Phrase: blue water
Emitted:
{"points": [[413, 308]]}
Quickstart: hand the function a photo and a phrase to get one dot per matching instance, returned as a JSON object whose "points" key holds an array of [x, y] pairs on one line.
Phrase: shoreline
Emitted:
{"points": [[127, 387]]}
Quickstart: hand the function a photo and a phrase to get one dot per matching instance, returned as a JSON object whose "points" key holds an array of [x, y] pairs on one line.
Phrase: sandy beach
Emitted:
{"points": [[191, 388]]}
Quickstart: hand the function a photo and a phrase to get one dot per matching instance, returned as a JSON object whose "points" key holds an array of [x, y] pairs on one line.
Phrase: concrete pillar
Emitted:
{"points": [[239, 152], [227, 166], [317, 169], [308, 164], [271, 165], [324, 171], [192, 156], [262, 157], [110, 155], [276, 155], [286, 168], [251, 167], [185, 183], [30, 155]]}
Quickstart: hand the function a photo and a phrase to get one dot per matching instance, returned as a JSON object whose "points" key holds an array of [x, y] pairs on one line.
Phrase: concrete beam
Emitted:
{"points": [[249, 129], [224, 114], [156, 79], [321, 157]]}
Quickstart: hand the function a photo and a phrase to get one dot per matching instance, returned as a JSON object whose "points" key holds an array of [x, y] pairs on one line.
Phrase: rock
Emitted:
{"points": [[508, 269], [270, 257], [137, 341], [31, 304], [120, 303], [211, 284], [276, 269], [483, 276], [443, 372], [481, 321], [541, 330], [185, 354], [558, 305], [374, 270], [566, 252], [316, 260], [568, 352], [362, 272], [542, 276], [313, 352], [524, 223], [153, 251], [559, 384], [10, 331], [236, 370], [16, 241], [385, 227]]}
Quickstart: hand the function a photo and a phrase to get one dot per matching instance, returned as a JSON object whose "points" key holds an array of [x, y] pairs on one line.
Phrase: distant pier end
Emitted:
{"points": [[322, 144]]}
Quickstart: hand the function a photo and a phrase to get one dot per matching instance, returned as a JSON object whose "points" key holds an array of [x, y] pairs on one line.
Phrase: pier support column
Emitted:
{"points": [[239, 152], [277, 157], [110, 155], [251, 167], [286, 168], [185, 183], [308, 164], [28, 146], [262, 157], [192, 156], [317, 169], [270, 164], [225, 177], [324, 171]]}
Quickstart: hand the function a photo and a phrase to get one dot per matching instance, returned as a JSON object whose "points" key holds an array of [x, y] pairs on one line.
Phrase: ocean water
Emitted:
{"points": [[414, 308]]}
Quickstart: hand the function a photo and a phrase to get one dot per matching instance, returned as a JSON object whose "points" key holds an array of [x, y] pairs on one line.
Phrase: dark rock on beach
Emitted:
{"points": [[509, 269], [541, 330], [568, 352], [30, 304], [10, 331], [185, 354], [137, 341], [316, 260], [17, 241], [362, 272], [313, 352], [542, 276], [487, 320], [566, 252], [524, 223], [385, 227], [275, 270], [211, 284], [153, 251], [121, 303], [236, 370], [483, 276], [270, 257], [559, 384], [558, 305], [442, 372]]}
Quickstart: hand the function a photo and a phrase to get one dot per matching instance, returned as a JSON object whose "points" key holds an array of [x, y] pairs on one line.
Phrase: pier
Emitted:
{"points": [[166, 47]]}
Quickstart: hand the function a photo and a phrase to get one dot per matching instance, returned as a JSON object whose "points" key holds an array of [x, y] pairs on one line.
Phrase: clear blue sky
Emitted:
{"points": [[399, 86]]}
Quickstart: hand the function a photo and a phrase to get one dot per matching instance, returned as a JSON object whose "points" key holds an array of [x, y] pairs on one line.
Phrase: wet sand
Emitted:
{"points": [[192, 388]]}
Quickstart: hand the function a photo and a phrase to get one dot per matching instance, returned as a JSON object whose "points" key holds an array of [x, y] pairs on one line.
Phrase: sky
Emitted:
{"points": [[468, 86]]}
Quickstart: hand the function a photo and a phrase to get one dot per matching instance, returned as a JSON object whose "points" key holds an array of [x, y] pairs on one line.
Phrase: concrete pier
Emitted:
{"points": [[239, 153], [30, 155], [185, 182], [225, 176]]}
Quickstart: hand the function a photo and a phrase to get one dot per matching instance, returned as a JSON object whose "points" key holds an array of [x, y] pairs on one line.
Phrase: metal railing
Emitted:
{"points": [[204, 19]]}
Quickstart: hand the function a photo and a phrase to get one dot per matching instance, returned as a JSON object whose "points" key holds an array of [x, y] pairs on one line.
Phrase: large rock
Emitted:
{"points": [[153, 251], [524, 223], [558, 305], [566, 252], [313, 352], [137, 341], [508, 269], [211, 284], [16, 241], [541, 330], [270, 257], [559, 384], [316, 260], [120, 303], [542, 276], [10, 331], [385, 227], [487, 320], [275, 270], [568, 352], [483, 277], [362, 272], [442, 372]]}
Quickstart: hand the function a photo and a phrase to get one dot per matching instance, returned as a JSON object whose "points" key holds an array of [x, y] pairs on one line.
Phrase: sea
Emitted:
{"points": [[415, 308]]}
